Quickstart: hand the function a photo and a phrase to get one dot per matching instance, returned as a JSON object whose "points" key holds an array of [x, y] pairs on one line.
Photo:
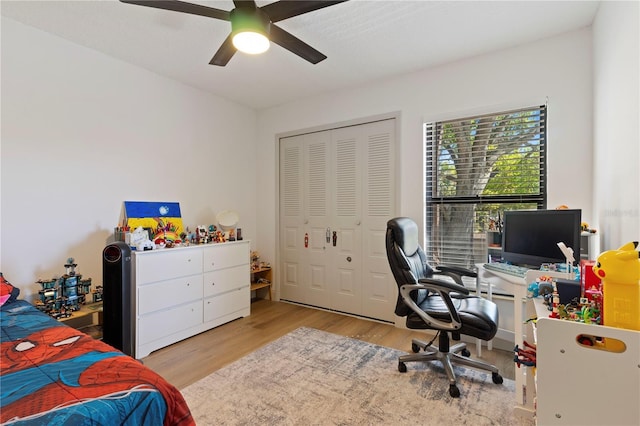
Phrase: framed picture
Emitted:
{"points": [[163, 219]]}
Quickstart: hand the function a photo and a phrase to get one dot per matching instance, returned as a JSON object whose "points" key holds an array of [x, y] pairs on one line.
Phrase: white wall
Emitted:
{"points": [[82, 132], [616, 168], [558, 68]]}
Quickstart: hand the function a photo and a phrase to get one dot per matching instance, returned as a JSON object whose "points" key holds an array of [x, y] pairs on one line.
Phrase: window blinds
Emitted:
{"points": [[475, 168]]}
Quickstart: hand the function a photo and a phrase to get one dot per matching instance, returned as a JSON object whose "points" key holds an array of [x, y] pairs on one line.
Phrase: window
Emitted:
{"points": [[475, 168]]}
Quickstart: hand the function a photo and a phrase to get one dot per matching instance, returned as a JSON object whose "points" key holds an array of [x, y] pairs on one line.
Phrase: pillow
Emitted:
{"points": [[8, 293]]}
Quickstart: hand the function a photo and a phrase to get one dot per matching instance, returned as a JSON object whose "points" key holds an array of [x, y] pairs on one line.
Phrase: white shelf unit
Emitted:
{"points": [[576, 384], [589, 246]]}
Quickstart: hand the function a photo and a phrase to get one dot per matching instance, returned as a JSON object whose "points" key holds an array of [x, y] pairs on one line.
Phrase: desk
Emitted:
{"points": [[518, 287]]}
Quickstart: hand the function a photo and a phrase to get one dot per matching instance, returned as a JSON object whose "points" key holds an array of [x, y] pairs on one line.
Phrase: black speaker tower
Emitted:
{"points": [[117, 295]]}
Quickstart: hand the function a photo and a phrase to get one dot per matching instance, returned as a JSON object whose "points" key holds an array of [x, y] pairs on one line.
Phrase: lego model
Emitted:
{"points": [[60, 297]]}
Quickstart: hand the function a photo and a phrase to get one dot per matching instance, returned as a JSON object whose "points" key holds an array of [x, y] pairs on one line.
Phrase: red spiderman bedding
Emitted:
{"points": [[53, 374]]}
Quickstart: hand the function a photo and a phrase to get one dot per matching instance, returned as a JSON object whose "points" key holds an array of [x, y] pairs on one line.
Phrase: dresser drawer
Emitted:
{"points": [[227, 303], [165, 264], [225, 255], [167, 294], [216, 282], [164, 323]]}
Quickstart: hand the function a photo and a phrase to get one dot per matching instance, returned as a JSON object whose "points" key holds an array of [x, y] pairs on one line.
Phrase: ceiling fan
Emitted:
{"points": [[258, 21]]}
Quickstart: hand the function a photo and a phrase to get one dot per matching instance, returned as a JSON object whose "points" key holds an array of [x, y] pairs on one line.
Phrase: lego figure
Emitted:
{"points": [[202, 236], [212, 233]]}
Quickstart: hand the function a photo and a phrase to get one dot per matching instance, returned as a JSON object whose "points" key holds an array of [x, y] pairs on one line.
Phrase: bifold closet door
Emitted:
{"points": [[346, 219], [379, 290], [336, 195], [304, 209]]}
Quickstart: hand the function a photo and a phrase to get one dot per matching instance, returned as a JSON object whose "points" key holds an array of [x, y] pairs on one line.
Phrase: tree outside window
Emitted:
{"points": [[475, 168]]}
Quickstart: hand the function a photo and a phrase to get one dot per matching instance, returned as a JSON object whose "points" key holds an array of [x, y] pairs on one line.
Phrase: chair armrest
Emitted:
{"points": [[463, 272], [440, 285], [443, 288], [455, 272]]}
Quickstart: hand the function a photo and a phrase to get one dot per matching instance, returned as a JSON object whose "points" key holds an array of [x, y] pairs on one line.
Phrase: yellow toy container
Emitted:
{"points": [[619, 271], [622, 305]]}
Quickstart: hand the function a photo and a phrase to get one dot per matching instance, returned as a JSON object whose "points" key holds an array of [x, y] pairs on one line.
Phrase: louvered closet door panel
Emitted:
{"points": [[292, 252], [317, 217], [340, 181], [379, 288], [346, 219]]}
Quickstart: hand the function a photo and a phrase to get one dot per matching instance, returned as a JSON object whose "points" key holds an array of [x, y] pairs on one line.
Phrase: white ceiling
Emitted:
{"points": [[365, 40]]}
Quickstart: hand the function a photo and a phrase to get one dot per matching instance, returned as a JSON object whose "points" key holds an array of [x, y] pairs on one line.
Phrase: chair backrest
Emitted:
{"points": [[407, 260]]}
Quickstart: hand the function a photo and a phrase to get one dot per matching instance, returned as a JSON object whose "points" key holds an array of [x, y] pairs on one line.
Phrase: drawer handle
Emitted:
{"points": [[213, 283], [188, 284]]}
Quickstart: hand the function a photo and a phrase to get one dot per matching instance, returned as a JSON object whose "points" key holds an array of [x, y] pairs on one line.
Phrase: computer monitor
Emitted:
{"points": [[531, 237]]}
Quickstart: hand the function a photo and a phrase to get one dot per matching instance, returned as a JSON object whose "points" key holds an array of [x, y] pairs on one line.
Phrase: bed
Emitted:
{"points": [[51, 373]]}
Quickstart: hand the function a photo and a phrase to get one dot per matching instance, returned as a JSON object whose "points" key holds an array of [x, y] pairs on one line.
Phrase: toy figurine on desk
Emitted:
{"points": [[255, 260], [97, 294], [71, 267], [59, 297], [526, 355]]}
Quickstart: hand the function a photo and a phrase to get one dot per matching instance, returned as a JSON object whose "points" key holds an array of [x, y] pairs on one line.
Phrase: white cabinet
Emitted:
{"points": [[227, 280], [184, 291]]}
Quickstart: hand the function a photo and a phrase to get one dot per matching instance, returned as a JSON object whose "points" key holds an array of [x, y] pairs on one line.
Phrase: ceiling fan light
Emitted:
{"points": [[251, 42], [250, 29]]}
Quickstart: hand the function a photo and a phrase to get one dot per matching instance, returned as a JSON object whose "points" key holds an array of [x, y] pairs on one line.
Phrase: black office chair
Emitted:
{"points": [[437, 304]]}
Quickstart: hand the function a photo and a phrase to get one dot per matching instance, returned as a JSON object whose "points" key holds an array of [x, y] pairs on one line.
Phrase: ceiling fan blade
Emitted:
{"points": [[182, 6], [224, 53], [247, 4], [295, 45], [284, 9]]}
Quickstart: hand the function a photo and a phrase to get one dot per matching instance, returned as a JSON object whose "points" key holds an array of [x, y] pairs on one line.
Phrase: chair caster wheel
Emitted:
{"points": [[402, 367], [415, 348], [465, 352], [454, 391], [497, 379]]}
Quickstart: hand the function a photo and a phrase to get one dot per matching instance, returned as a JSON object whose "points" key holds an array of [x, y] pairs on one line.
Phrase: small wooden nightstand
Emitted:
{"points": [[89, 315], [261, 278]]}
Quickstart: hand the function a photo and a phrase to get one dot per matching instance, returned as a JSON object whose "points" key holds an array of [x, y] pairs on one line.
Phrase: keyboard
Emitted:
{"points": [[505, 268]]}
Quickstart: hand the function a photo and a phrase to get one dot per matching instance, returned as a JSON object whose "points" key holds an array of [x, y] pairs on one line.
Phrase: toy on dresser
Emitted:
{"points": [[619, 271], [59, 297]]}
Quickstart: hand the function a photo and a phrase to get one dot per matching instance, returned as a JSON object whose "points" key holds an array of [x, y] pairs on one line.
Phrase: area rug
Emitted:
{"points": [[311, 377]]}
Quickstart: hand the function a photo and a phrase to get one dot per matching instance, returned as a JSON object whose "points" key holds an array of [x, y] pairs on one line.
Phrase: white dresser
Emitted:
{"points": [[183, 291]]}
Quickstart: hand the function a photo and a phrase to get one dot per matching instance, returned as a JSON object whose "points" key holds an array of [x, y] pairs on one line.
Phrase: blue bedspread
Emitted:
{"points": [[53, 374]]}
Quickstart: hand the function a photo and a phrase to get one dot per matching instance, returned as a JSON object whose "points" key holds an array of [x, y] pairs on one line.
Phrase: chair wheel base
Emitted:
{"points": [[454, 391], [497, 378], [402, 367], [465, 352]]}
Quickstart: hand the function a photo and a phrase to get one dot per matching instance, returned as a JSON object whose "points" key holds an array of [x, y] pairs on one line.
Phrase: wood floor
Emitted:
{"points": [[192, 359]]}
